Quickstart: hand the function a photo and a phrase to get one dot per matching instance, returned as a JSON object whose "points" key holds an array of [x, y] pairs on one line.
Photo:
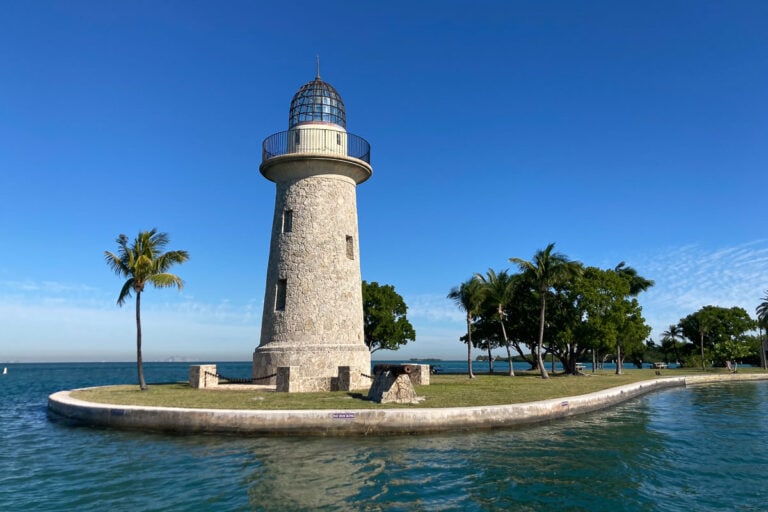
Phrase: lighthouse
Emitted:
{"points": [[312, 325]]}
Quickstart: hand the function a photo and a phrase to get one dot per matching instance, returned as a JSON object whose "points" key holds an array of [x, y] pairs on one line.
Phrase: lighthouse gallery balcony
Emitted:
{"points": [[310, 140]]}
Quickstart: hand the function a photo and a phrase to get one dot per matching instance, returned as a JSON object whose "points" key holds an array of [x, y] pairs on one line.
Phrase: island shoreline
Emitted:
{"points": [[359, 422]]}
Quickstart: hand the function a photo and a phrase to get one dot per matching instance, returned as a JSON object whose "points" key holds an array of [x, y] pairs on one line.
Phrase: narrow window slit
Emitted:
{"points": [[350, 247], [282, 284]]}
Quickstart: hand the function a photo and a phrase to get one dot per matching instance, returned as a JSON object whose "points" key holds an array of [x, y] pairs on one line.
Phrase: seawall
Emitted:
{"points": [[62, 405]]}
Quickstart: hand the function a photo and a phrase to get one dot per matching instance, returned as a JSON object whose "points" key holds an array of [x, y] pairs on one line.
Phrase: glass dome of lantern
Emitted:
{"points": [[317, 102]]}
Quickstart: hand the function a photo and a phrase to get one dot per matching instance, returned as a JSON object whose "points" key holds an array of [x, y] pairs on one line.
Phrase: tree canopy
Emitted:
{"points": [[384, 318], [720, 332], [547, 270], [557, 307]]}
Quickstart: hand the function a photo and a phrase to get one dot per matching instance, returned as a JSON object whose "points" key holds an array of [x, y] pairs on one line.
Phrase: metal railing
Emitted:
{"points": [[315, 140]]}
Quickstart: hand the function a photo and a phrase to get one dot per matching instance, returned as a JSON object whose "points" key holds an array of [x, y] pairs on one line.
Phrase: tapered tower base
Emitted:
{"points": [[315, 368]]}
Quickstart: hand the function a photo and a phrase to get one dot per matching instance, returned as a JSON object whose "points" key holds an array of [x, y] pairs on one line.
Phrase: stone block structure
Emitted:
{"points": [[420, 374], [391, 385], [203, 376], [313, 318]]}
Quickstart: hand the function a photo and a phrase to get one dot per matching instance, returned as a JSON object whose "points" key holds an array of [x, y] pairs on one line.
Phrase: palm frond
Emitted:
{"points": [[125, 292], [762, 310], [117, 265], [166, 280], [143, 261], [170, 258]]}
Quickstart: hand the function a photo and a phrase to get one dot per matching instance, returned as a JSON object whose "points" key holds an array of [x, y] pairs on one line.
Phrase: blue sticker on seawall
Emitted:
{"points": [[343, 416]]}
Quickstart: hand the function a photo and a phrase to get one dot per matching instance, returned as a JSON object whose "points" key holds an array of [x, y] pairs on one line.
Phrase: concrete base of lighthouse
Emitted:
{"points": [[307, 368]]}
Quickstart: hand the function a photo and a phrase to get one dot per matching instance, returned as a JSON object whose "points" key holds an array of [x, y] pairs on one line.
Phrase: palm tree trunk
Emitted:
{"points": [[618, 357], [506, 342], [509, 352], [139, 363], [469, 347], [509, 358], [490, 358], [702, 351], [544, 374]]}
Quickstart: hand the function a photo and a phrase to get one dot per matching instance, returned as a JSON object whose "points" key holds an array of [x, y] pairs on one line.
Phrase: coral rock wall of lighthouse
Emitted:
{"points": [[313, 316]]}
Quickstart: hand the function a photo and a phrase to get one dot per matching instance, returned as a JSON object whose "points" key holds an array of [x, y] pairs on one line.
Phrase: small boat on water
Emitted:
{"points": [[5, 370]]}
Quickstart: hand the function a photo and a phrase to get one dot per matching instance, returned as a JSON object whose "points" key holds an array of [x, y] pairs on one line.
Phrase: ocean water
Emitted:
{"points": [[698, 448]]}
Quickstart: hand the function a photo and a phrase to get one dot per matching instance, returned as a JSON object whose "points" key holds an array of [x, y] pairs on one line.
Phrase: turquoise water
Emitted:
{"points": [[700, 448]]}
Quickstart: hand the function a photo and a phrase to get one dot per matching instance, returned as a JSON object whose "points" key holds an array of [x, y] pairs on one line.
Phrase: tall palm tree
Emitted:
{"points": [[548, 269], [704, 322], [469, 298], [762, 322], [674, 333], [143, 262], [498, 291]]}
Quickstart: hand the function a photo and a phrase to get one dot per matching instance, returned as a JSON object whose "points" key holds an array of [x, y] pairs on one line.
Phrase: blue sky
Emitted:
{"points": [[621, 131]]}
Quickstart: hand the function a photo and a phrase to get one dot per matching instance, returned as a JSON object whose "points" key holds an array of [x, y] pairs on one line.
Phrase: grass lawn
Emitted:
{"points": [[444, 391]]}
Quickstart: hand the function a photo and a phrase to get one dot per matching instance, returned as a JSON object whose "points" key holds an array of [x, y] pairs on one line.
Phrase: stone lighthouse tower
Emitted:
{"points": [[312, 326]]}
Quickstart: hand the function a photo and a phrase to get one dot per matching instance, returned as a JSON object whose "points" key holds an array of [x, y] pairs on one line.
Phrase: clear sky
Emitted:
{"points": [[621, 131]]}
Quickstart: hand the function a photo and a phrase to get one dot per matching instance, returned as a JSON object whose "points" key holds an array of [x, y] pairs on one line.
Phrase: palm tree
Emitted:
{"points": [[547, 269], [637, 283], [469, 298], [762, 309], [704, 321], [142, 262], [674, 333], [762, 322], [498, 291]]}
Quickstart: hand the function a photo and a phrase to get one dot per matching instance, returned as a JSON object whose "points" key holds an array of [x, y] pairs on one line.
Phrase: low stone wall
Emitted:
{"points": [[288, 379]]}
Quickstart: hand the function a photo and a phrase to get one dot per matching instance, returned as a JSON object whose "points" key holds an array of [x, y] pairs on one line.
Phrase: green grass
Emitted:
{"points": [[444, 391]]}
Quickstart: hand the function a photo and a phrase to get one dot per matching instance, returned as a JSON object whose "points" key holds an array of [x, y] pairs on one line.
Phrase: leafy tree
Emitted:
{"points": [[697, 325], [143, 262], [635, 324], [720, 330], [498, 293], [547, 269], [469, 298], [384, 322], [597, 313], [633, 332]]}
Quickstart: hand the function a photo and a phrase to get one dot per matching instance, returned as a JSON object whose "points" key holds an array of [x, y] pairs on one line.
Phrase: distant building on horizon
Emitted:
{"points": [[312, 325]]}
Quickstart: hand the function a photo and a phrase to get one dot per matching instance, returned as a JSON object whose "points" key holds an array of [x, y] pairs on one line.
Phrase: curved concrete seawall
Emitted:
{"points": [[358, 421]]}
